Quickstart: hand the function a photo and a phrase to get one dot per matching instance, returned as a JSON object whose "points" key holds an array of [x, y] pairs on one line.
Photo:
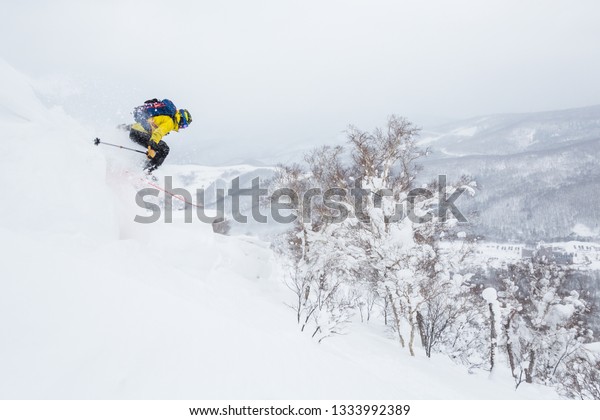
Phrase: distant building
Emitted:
{"points": [[556, 254], [526, 253], [564, 253]]}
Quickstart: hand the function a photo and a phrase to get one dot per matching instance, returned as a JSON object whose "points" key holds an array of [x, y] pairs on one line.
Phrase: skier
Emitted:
{"points": [[154, 120]]}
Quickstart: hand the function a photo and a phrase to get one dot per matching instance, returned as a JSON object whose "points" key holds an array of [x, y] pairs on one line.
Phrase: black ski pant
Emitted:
{"points": [[161, 148]]}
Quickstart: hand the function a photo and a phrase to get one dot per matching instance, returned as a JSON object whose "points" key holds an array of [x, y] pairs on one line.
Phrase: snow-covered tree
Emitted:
{"points": [[386, 249], [321, 267], [580, 378], [541, 321]]}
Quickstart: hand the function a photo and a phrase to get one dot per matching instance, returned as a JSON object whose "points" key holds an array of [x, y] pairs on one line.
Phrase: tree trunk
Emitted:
{"points": [[423, 334], [509, 349], [396, 318], [529, 370], [304, 243], [385, 311], [411, 339], [493, 337]]}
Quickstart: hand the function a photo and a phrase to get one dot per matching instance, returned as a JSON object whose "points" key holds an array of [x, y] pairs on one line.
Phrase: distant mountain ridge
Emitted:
{"points": [[506, 134], [539, 173]]}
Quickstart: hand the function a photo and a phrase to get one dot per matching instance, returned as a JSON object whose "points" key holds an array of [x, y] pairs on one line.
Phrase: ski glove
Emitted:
{"points": [[150, 153]]}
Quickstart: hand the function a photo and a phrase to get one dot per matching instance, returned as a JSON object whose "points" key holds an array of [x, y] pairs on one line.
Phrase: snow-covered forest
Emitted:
{"points": [[418, 277]]}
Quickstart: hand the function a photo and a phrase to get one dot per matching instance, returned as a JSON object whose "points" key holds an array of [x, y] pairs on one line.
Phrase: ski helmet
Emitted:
{"points": [[185, 119]]}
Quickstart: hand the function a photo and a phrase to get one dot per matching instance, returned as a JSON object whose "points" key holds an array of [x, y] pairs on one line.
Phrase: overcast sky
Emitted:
{"points": [[255, 72]]}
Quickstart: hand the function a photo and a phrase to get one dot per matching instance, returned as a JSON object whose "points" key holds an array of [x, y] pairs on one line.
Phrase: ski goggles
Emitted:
{"points": [[184, 120]]}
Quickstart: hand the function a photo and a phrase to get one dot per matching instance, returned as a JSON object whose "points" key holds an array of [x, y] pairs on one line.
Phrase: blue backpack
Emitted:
{"points": [[152, 108]]}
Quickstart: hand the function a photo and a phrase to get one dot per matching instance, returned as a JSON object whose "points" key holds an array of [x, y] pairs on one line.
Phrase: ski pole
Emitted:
{"points": [[97, 142]]}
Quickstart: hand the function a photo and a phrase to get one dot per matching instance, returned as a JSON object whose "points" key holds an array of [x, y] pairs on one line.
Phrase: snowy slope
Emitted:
{"points": [[93, 305]]}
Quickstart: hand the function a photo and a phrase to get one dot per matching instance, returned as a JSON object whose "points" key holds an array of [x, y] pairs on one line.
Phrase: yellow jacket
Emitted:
{"points": [[161, 126]]}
